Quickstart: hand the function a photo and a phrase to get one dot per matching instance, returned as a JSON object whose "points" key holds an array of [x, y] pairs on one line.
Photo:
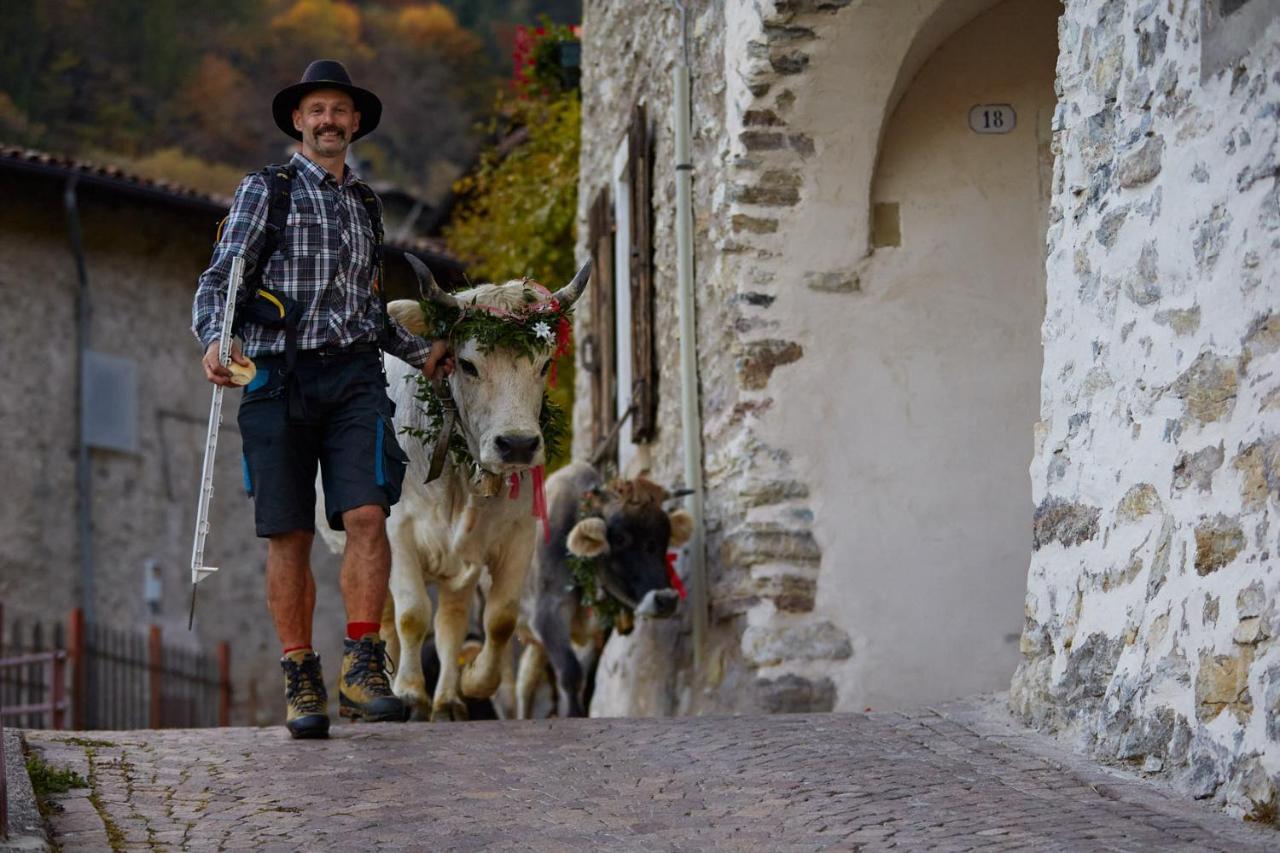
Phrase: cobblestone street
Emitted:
{"points": [[961, 776]]}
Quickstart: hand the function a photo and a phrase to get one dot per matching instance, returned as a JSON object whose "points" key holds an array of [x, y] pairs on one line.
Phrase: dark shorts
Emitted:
{"points": [[347, 433]]}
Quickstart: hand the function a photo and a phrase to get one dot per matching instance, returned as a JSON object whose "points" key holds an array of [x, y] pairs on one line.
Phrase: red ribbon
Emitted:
{"points": [[540, 502], [539, 498], [672, 577]]}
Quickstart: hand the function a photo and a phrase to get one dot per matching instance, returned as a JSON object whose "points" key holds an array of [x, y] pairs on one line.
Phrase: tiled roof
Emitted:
{"points": [[120, 180], [27, 159]]}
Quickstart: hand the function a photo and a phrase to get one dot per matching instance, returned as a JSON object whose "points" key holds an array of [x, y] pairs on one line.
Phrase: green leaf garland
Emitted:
{"points": [[514, 331]]}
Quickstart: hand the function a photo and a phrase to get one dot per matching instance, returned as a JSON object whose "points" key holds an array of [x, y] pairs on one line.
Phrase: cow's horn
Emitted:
{"points": [[569, 294], [427, 286]]}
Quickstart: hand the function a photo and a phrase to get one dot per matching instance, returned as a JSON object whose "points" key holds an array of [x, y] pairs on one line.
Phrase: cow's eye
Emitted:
{"points": [[467, 367], [546, 367]]}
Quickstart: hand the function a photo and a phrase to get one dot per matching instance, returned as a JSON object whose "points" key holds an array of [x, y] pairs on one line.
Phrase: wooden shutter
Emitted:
{"points": [[600, 352], [644, 371]]}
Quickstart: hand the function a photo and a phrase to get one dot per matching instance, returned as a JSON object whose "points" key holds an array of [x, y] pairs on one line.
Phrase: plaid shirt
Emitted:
{"points": [[326, 265]]}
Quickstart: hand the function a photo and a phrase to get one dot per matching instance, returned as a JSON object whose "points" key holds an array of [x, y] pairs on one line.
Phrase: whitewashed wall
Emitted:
{"points": [[1151, 618]]}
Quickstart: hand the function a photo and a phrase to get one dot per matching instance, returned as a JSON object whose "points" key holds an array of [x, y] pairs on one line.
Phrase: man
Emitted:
{"points": [[321, 401]]}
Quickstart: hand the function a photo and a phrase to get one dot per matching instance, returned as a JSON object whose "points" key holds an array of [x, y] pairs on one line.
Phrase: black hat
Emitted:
{"points": [[326, 74]]}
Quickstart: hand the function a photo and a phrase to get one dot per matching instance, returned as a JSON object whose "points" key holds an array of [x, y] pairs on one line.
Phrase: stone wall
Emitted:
{"points": [[142, 260], [1151, 624]]}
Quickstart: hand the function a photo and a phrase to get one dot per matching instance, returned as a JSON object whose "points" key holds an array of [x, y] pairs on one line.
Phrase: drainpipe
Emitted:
{"points": [[690, 411], [84, 474]]}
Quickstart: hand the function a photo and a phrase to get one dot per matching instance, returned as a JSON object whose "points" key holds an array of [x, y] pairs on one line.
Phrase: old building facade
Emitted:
{"points": [[144, 245], [938, 244]]}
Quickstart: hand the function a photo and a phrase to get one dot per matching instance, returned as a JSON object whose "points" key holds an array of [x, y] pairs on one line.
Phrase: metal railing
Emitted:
{"points": [[106, 678]]}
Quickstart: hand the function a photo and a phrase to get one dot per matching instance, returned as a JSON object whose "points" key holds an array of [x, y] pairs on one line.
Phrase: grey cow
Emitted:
{"points": [[622, 529]]}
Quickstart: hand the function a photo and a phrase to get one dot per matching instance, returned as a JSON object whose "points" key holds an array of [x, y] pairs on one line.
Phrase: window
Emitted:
{"points": [[619, 351], [599, 351]]}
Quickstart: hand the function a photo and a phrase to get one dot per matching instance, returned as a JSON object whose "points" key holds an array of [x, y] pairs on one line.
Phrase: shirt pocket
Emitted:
{"points": [[307, 256]]}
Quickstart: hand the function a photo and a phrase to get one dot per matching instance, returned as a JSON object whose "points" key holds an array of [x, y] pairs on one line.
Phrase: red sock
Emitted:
{"points": [[307, 647], [356, 630]]}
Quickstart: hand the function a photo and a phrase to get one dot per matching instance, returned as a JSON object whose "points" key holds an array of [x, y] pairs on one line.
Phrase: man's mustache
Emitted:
{"points": [[330, 128]]}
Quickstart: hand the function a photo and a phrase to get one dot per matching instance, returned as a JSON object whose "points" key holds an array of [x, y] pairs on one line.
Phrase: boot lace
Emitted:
{"points": [[371, 665], [304, 686]]}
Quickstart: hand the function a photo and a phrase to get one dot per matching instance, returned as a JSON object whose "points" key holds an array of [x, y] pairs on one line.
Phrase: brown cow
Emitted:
{"points": [[625, 533]]}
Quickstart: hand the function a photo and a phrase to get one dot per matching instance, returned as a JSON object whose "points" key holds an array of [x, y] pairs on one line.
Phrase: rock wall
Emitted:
{"points": [[1151, 624], [766, 649]]}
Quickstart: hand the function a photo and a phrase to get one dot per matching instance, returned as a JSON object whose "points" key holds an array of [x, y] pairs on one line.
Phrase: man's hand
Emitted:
{"points": [[214, 371], [439, 363]]}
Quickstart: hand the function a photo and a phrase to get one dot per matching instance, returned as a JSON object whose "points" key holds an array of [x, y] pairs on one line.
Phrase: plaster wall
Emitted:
{"points": [[917, 447], [142, 266]]}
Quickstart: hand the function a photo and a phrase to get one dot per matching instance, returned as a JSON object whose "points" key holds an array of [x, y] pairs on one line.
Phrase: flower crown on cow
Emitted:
{"points": [[544, 321]]}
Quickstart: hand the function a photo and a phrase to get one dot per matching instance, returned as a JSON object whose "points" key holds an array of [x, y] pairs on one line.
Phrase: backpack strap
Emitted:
{"points": [[374, 209], [279, 199]]}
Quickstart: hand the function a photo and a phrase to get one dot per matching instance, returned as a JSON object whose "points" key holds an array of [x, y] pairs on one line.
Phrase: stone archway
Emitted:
{"points": [[944, 360], [922, 354]]}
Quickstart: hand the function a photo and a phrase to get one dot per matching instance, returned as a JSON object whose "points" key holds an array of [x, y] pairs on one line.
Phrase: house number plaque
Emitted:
{"points": [[992, 118]]}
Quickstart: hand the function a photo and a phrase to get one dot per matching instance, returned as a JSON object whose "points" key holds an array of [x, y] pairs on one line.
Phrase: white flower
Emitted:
{"points": [[543, 332]]}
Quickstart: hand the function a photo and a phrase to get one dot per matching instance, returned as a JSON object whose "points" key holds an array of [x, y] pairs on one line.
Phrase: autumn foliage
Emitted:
{"points": [[517, 209], [122, 80]]}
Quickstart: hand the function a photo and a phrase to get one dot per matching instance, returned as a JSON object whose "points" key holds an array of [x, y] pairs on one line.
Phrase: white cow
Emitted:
{"points": [[455, 529]]}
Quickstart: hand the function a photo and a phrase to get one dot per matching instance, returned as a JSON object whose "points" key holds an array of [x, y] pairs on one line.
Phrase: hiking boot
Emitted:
{"points": [[307, 702], [364, 693]]}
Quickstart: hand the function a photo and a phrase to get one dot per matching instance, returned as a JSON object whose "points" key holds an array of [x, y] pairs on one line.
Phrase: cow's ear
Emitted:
{"points": [[588, 538], [409, 315], [681, 527]]}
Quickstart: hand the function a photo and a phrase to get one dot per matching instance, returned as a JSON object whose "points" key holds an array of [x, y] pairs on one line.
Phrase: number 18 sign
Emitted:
{"points": [[992, 118]]}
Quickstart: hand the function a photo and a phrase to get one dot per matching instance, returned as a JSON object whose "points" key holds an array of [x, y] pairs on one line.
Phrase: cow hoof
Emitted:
{"points": [[450, 712], [420, 714]]}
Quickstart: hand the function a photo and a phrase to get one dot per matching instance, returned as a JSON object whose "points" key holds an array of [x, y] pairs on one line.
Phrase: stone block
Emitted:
{"points": [[833, 282], [1218, 542], [790, 62], [759, 140], [760, 358], [1263, 337], [1222, 683], [775, 188], [1089, 669], [763, 493], [1140, 284], [1183, 321], [1211, 236], [1059, 520], [1197, 468], [794, 694], [1142, 165], [742, 223], [1109, 227], [766, 645], [1139, 501], [1251, 601], [1208, 387], [1259, 467], [758, 543]]}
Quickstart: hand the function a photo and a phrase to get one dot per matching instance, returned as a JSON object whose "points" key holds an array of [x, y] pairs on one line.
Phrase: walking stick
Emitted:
{"points": [[199, 571]]}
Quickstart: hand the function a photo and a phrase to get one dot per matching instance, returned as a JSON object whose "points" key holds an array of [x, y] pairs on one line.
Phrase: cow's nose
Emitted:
{"points": [[517, 449], [659, 604]]}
